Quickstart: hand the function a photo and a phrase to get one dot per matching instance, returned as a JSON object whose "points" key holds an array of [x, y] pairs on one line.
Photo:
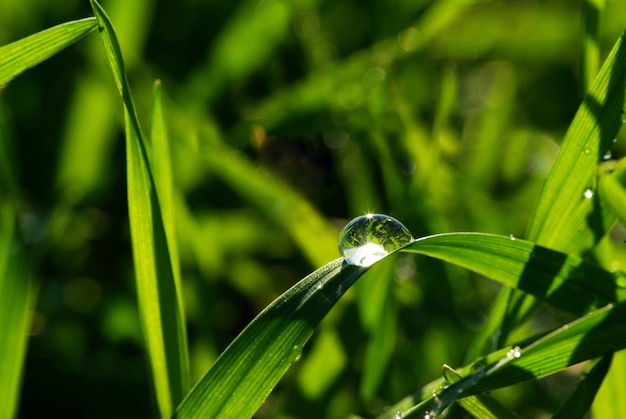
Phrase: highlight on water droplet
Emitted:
{"points": [[398, 415], [428, 415], [587, 151], [512, 237], [514, 353], [607, 156], [369, 238], [588, 194]]}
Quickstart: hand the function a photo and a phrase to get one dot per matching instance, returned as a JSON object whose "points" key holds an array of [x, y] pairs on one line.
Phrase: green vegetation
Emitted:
{"points": [[154, 272]]}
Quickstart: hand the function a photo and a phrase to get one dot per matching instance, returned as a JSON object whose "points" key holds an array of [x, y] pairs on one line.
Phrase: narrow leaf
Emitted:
{"points": [[610, 402], [246, 372], [19, 56], [481, 406], [597, 334], [160, 302], [564, 219], [560, 279], [579, 402]]}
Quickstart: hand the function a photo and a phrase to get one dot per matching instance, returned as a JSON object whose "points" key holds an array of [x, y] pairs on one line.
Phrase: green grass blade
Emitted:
{"points": [[19, 56], [15, 288], [563, 219], [562, 280], [246, 372], [597, 334], [157, 288], [481, 406], [610, 402], [14, 305], [591, 14], [581, 399]]}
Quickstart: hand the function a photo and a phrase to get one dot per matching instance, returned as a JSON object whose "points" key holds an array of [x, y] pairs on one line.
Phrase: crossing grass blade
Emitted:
{"points": [[563, 218], [19, 56], [597, 334], [151, 223], [560, 279], [247, 371], [481, 406], [581, 399]]}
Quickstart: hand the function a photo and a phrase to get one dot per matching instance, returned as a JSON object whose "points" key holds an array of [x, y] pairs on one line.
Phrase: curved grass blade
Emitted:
{"points": [[566, 281], [19, 56], [597, 334], [481, 406], [159, 295], [247, 371], [563, 219]]}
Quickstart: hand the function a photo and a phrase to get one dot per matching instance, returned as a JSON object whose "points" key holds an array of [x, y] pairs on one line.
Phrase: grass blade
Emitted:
{"points": [[15, 290], [591, 14], [560, 279], [563, 218], [246, 372], [19, 56], [597, 334], [609, 402], [160, 302], [579, 402], [481, 406]]}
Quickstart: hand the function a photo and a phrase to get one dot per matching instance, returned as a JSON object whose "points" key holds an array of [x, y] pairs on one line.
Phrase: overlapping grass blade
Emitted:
{"points": [[581, 399], [246, 372], [566, 281], [597, 334], [481, 406], [563, 218], [591, 14], [157, 288], [609, 402], [19, 56]]}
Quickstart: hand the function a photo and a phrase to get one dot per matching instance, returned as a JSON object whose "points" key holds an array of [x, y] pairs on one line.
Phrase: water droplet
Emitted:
{"points": [[588, 193], [587, 151], [398, 415], [428, 415], [369, 238], [512, 237], [607, 156], [614, 140], [514, 353]]}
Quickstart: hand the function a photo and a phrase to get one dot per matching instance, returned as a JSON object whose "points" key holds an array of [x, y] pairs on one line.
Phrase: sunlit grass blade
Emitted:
{"points": [[562, 280], [594, 335], [19, 56], [564, 218], [157, 288], [579, 402], [246, 372], [481, 406]]}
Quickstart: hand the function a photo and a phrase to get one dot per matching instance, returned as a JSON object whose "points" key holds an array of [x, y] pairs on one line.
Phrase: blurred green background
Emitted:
{"points": [[287, 119]]}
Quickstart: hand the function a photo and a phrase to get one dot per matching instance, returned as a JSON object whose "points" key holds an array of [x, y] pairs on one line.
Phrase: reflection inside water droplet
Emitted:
{"points": [[588, 193], [368, 238]]}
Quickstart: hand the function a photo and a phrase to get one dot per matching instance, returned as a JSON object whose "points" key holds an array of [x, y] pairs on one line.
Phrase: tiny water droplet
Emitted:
{"points": [[588, 193], [514, 353], [607, 156], [587, 151], [369, 238], [427, 415], [398, 415], [614, 140], [512, 237]]}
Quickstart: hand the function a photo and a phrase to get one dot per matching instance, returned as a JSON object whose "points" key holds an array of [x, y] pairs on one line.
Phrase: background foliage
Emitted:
{"points": [[288, 118]]}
